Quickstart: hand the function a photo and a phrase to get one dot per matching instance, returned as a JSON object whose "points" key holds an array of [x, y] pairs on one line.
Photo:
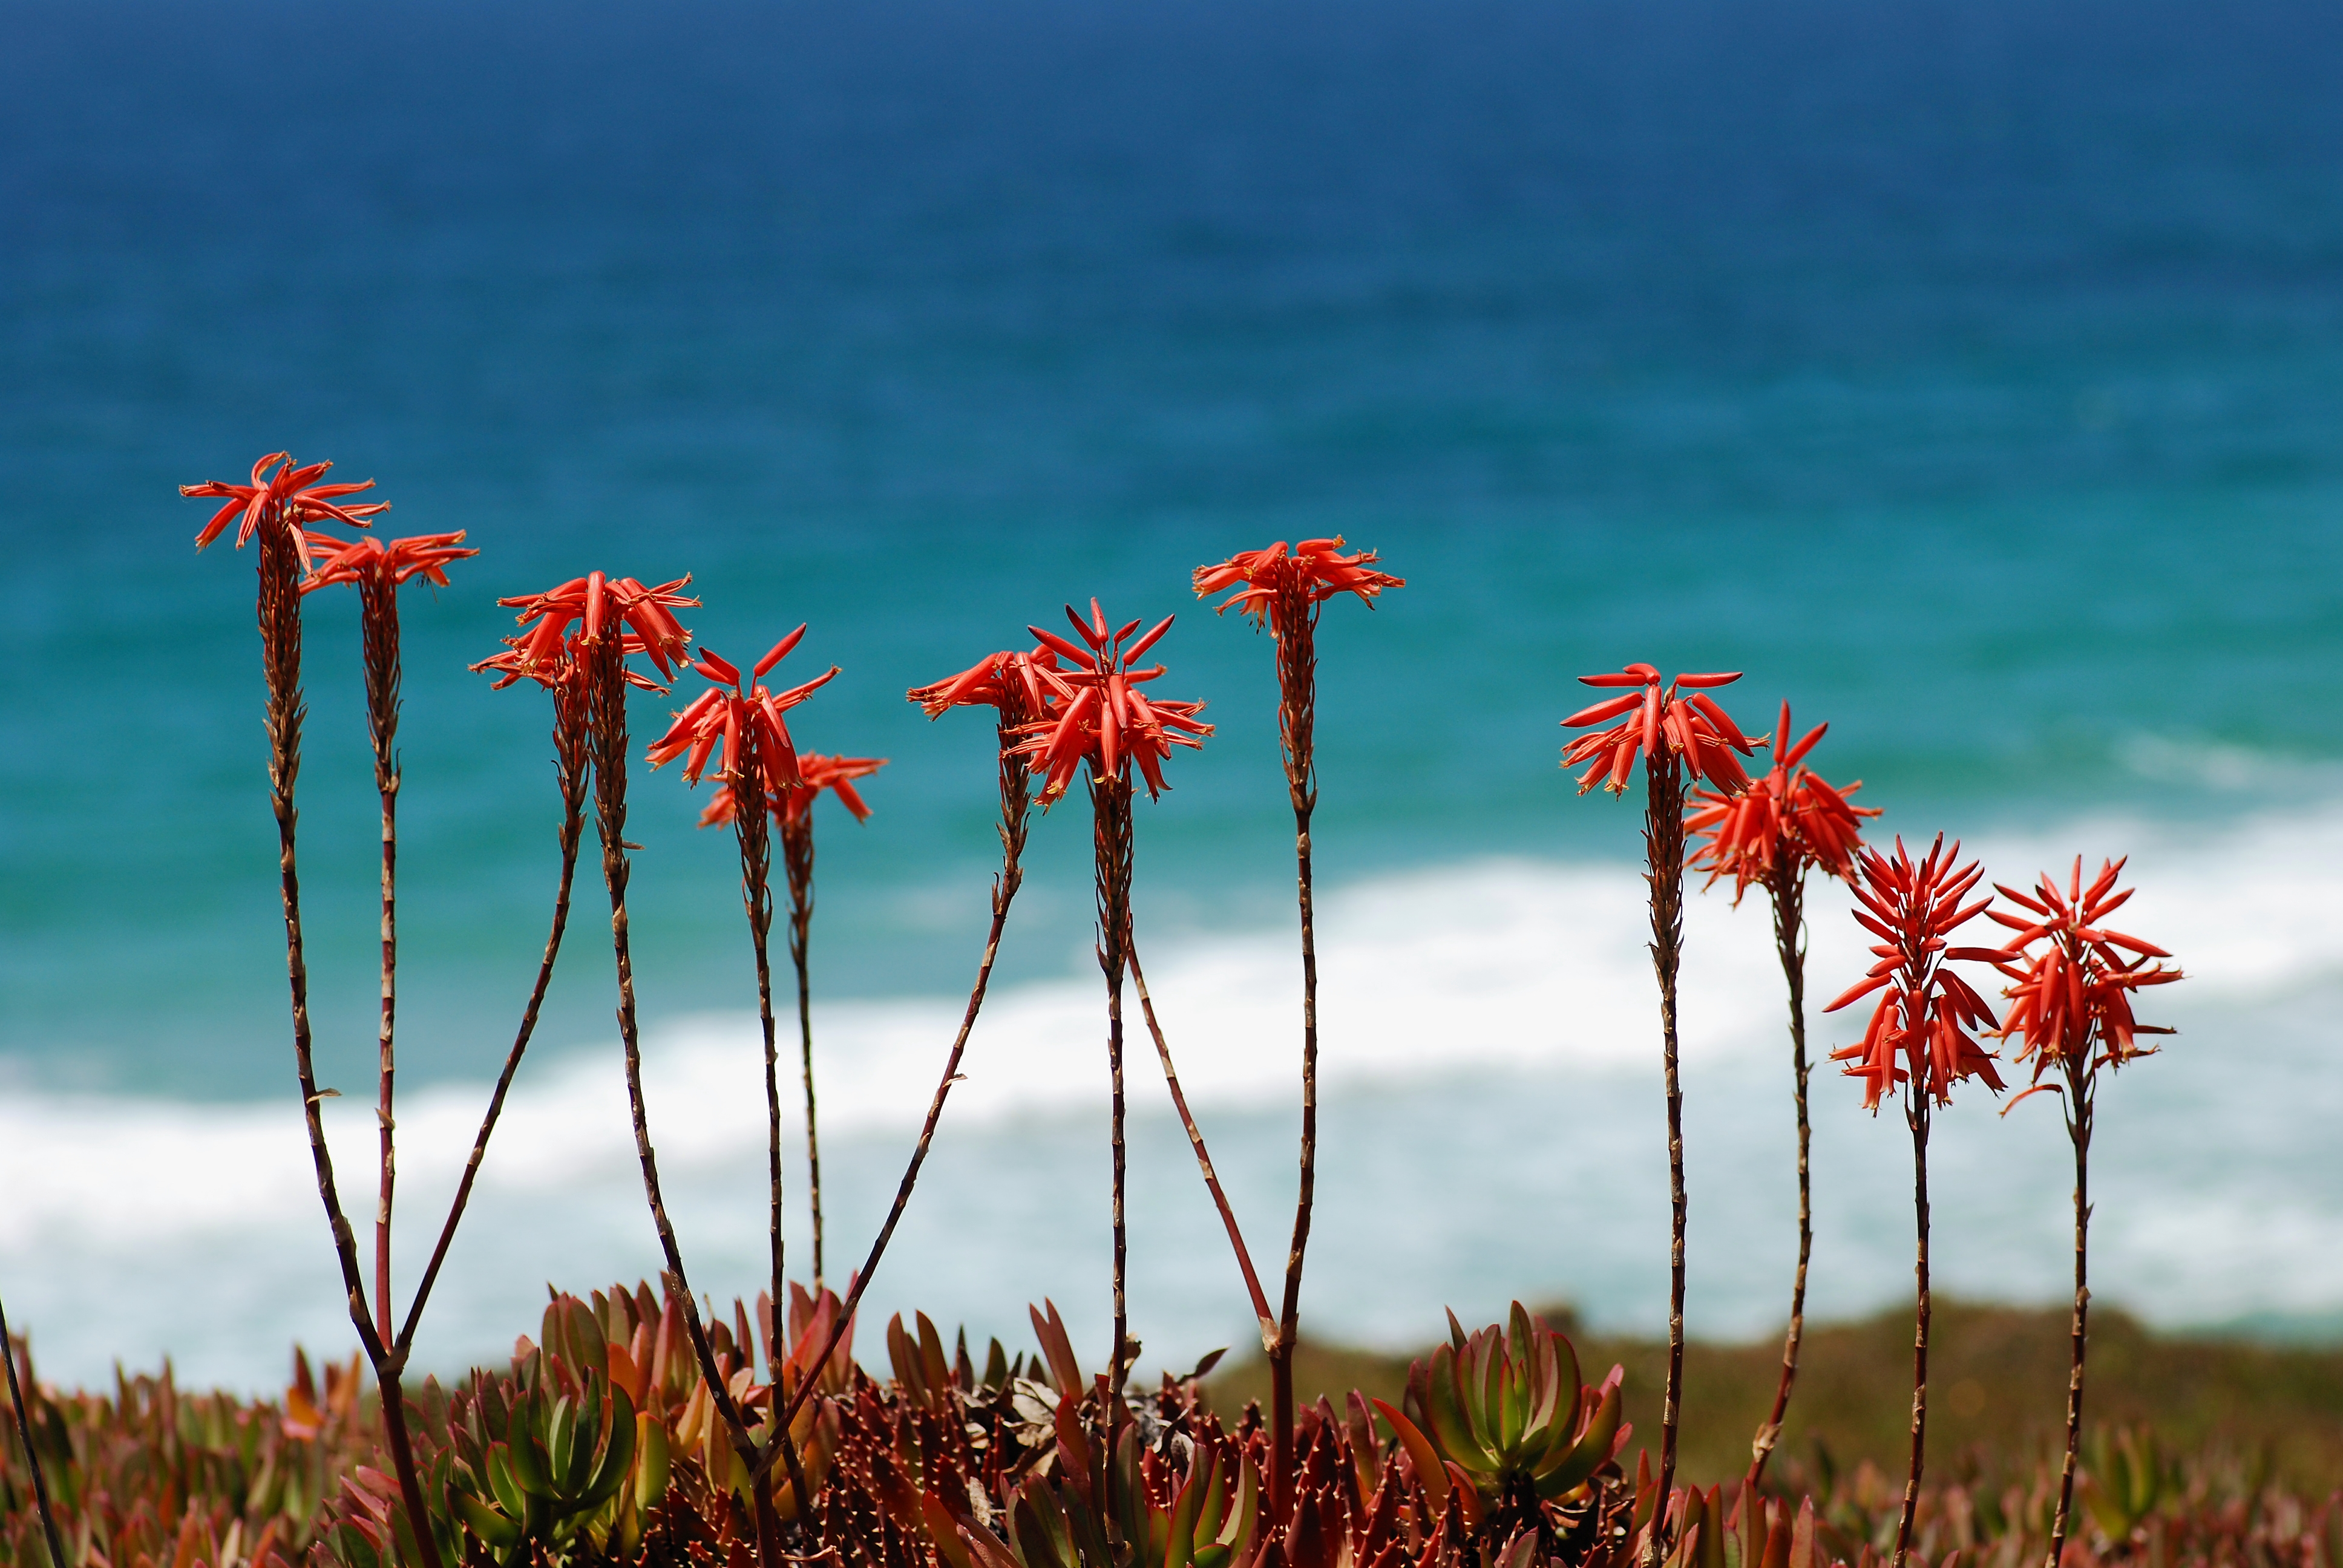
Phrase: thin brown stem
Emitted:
{"points": [[570, 741], [1016, 799], [1110, 829], [378, 617], [280, 652], [1787, 887], [1296, 629], [1663, 843], [796, 856], [24, 1436], [610, 730], [1203, 1156], [2081, 1092], [1916, 1113]]}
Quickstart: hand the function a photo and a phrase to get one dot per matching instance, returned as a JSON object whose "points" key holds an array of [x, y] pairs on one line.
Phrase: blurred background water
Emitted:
{"points": [[1968, 374]]}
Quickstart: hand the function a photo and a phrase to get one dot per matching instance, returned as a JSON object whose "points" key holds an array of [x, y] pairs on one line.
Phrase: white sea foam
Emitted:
{"points": [[1492, 1129]]}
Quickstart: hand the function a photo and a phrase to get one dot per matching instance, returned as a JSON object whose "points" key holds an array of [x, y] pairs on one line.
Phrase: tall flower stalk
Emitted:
{"points": [[606, 609], [1103, 722], [57, 1558], [2070, 1007], [377, 570], [273, 508], [1919, 1042], [1674, 734], [1008, 684], [1284, 591], [1769, 836], [793, 809]]}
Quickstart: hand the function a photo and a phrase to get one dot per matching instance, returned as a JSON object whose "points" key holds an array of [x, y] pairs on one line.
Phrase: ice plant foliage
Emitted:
{"points": [[1769, 836], [1919, 1039], [1283, 591], [1676, 736], [2073, 978]]}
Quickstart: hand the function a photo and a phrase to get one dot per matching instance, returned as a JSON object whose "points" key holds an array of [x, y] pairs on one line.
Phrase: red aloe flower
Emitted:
{"points": [[789, 804], [1791, 819], [292, 490], [1099, 715], [1316, 571], [750, 714], [1694, 728], [386, 562], [1007, 682], [2075, 995], [1920, 1029], [598, 601]]}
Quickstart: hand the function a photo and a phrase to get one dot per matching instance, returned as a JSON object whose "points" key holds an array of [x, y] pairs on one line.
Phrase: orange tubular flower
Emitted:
{"points": [[292, 490], [2074, 996], [816, 773], [1316, 571], [1010, 683], [1789, 820], [1920, 1029], [599, 602], [729, 718], [386, 563], [1099, 715], [1694, 728]]}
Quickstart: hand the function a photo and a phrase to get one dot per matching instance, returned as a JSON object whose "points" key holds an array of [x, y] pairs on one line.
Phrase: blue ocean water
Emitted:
{"points": [[1967, 374]]}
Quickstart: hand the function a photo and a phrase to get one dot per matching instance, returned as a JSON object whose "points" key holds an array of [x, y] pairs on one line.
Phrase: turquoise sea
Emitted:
{"points": [[1968, 375]]}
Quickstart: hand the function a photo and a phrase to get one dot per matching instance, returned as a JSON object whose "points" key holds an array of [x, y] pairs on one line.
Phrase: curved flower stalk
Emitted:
{"points": [[1284, 592], [376, 568], [1675, 734], [2070, 1008], [604, 610], [283, 498], [1008, 684], [57, 1558], [1102, 721], [1919, 1040], [748, 722], [1768, 835]]}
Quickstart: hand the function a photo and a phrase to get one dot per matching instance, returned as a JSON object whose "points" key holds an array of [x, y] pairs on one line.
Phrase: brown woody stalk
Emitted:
{"points": [[32, 1455], [1203, 1156], [1016, 802], [1916, 1115], [2081, 1093], [605, 655], [1294, 623], [572, 768], [279, 610], [1663, 843], [1111, 836], [797, 858], [378, 622], [1787, 885]]}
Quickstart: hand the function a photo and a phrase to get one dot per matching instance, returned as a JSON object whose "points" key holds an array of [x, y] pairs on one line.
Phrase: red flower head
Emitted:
{"points": [[565, 670], [1316, 572], [293, 491], [2075, 994], [816, 773], [600, 601], [1789, 820], [720, 717], [385, 563], [1926, 1010], [1694, 727], [1007, 682], [1098, 714]]}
